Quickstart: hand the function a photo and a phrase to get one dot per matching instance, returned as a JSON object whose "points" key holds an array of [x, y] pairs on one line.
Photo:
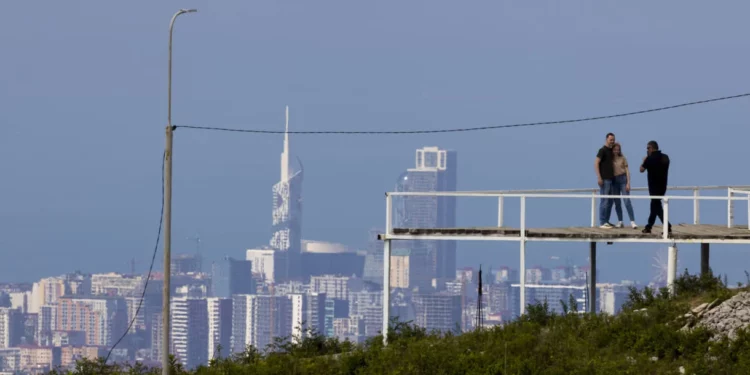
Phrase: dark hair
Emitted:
{"points": [[653, 145], [608, 134], [617, 144]]}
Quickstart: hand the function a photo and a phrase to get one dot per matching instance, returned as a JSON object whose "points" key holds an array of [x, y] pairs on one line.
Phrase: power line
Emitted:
{"points": [[150, 268], [478, 128]]}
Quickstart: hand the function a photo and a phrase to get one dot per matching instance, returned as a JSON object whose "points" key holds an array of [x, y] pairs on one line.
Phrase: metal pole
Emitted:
{"points": [[593, 209], [705, 253], [665, 224], [500, 211], [592, 280], [696, 207], [730, 208], [386, 289], [166, 292], [522, 273], [672, 268]]}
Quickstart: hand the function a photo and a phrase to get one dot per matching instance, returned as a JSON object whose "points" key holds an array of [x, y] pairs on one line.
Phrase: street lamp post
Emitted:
{"points": [[168, 212]]}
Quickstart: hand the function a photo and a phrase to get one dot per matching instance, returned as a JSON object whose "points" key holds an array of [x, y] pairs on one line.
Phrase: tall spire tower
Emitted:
{"points": [[285, 154], [287, 217]]}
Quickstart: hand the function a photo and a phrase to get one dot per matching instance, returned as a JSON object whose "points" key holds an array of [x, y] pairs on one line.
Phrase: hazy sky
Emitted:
{"points": [[83, 108]]}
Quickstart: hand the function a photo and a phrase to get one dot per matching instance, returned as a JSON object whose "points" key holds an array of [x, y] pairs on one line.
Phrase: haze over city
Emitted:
{"points": [[83, 110]]}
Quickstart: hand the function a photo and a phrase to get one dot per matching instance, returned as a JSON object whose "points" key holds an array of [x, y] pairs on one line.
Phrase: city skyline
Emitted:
{"points": [[102, 209]]}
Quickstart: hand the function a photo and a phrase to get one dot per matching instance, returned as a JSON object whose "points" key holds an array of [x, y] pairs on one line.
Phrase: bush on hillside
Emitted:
{"points": [[636, 341]]}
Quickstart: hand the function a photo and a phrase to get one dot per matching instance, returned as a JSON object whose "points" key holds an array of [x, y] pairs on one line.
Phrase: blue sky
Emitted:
{"points": [[83, 109]]}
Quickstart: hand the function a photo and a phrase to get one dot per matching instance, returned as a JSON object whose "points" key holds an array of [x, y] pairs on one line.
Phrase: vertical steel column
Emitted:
{"points": [[705, 253], [672, 268], [665, 229], [593, 209], [387, 266], [522, 272], [730, 208], [500, 211], [696, 207], [386, 289], [592, 280]]}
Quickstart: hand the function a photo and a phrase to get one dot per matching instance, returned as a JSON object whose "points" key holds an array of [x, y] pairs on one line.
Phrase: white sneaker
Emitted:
{"points": [[634, 225], [606, 226], [619, 225]]}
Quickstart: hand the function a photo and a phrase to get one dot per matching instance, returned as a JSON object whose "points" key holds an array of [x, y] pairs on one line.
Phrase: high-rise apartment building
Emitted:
{"points": [[11, 327], [435, 170], [373, 271], [103, 319], [438, 311], [258, 319], [115, 284], [219, 327], [190, 330], [232, 276]]}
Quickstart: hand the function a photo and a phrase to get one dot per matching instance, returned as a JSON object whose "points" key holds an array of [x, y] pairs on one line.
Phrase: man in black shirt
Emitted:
{"points": [[657, 165], [605, 173]]}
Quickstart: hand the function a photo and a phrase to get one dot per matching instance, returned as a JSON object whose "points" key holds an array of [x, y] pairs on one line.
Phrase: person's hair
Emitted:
{"points": [[617, 144], [654, 145], [608, 134]]}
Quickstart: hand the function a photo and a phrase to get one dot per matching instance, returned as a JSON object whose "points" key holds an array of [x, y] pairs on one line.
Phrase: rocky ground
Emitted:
{"points": [[723, 318]]}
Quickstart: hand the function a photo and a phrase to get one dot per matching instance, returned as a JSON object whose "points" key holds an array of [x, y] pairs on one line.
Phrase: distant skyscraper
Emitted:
{"points": [[441, 311], [374, 258], [219, 327], [287, 217], [232, 276], [436, 170], [258, 319], [103, 319], [190, 331]]}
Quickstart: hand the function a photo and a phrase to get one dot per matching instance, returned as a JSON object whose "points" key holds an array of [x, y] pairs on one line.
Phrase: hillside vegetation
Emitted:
{"points": [[644, 339]]}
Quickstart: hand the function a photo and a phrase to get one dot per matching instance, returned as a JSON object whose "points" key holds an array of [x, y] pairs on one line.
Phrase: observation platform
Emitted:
{"points": [[681, 233], [695, 232]]}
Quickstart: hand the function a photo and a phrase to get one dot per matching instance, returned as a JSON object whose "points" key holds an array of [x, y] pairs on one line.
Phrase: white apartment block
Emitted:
{"points": [[258, 319], [219, 326], [115, 284], [11, 327], [189, 331], [335, 287], [262, 263]]}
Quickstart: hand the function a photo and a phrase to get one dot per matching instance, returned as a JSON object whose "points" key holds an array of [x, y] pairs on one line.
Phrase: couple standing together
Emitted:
{"points": [[613, 176]]}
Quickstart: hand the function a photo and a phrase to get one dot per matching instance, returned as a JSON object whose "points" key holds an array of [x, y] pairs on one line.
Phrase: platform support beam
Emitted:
{"points": [[386, 289], [730, 208], [592, 281], [705, 253], [522, 272], [672, 268]]}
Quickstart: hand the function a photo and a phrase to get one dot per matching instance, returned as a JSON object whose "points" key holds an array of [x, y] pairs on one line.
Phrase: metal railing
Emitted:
{"points": [[523, 195]]}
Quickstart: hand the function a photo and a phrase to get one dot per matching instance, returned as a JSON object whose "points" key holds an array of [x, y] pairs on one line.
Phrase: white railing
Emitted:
{"points": [[523, 195]]}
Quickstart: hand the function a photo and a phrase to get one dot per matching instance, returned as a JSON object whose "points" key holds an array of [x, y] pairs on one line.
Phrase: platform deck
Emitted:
{"points": [[680, 233]]}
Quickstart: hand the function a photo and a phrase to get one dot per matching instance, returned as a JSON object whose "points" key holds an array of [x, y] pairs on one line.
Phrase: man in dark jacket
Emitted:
{"points": [[657, 165]]}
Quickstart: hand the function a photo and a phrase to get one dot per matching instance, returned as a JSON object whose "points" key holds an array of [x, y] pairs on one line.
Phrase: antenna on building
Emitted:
{"points": [[479, 299]]}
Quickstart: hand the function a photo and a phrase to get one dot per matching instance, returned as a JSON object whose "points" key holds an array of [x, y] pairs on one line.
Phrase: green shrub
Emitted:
{"points": [[636, 341]]}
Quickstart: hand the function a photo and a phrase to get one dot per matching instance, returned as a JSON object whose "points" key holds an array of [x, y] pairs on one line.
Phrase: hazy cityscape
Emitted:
{"points": [[288, 288], [288, 123]]}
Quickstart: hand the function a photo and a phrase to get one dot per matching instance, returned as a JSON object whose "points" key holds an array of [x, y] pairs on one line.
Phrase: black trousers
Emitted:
{"points": [[656, 211]]}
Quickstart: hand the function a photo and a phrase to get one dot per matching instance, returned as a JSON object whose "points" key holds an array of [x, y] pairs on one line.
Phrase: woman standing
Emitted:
{"points": [[622, 186]]}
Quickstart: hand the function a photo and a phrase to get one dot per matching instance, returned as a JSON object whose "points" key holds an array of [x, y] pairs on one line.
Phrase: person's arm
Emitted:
{"points": [[627, 173], [596, 168], [644, 165]]}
